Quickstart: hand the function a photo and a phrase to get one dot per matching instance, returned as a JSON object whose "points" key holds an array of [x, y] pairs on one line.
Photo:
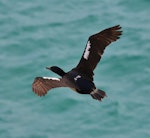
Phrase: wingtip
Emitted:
{"points": [[37, 88], [118, 26], [117, 30]]}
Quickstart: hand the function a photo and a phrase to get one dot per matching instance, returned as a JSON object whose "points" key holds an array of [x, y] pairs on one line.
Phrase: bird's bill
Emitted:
{"points": [[49, 68]]}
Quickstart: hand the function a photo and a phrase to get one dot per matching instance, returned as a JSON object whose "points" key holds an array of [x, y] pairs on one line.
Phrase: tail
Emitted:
{"points": [[98, 94]]}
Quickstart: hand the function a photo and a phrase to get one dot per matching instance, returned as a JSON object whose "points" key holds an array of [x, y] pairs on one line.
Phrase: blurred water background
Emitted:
{"points": [[36, 34]]}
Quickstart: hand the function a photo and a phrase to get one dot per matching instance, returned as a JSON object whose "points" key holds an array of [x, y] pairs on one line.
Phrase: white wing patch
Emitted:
{"points": [[50, 78], [87, 52], [77, 77]]}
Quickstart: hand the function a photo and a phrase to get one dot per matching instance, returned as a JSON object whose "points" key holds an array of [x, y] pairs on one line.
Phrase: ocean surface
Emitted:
{"points": [[36, 34]]}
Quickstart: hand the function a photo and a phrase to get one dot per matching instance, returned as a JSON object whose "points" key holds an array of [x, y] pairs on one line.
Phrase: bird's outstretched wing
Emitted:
{"points": [[42, 85], [95, 48]]}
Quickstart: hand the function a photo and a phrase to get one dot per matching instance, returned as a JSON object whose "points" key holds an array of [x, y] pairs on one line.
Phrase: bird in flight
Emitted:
{"points": [[80, 79]]}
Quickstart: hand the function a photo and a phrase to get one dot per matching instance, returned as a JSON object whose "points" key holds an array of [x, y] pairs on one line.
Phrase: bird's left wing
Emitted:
{"points": [[42, 85]]}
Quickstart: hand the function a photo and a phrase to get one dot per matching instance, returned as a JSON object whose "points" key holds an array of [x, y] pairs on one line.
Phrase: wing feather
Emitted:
{"points": [[42, 85]]}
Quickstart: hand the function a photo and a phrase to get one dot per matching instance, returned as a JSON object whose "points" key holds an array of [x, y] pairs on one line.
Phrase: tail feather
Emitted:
{"points": [[98, 94]]}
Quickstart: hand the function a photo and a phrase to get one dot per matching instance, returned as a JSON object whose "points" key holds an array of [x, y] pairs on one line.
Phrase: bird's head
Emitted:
{"points": [[57, 70]]}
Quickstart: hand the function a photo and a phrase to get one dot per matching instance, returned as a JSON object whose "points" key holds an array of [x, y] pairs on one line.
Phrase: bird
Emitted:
{"points": [[81, 78]]}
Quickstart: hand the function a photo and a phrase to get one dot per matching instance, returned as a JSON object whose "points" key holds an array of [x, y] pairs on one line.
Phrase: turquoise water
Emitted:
{"points": [[36, 34]]}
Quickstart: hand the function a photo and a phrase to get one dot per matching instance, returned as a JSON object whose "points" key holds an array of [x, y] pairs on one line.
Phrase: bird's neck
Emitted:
{"points": [[58, 71]]}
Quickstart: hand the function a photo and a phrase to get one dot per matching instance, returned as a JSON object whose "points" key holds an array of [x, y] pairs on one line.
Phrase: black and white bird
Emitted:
{"points": [[80, 78]]}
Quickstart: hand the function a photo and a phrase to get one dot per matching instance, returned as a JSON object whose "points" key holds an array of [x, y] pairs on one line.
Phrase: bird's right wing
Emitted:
{"points": [[42, 85], [95, 48]]}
